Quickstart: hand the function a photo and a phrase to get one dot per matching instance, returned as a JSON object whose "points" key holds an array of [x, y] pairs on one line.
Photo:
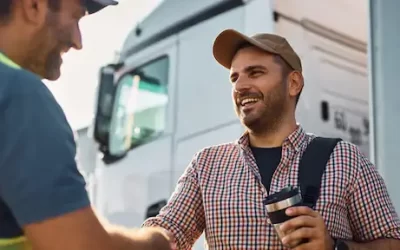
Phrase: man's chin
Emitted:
{"points": [[53, 69], [53, 75], [249, 122]]}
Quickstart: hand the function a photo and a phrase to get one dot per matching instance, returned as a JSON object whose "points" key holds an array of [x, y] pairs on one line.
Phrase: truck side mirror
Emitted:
{"points": [[110, 119], [120, 134], [130, 110]]}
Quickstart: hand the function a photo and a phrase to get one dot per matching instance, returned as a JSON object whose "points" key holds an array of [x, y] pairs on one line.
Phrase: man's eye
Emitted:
{"points": [[256, 73]]}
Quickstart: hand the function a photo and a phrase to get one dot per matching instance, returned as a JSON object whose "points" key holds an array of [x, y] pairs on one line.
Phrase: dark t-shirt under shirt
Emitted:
{"points": [[267, 160]]}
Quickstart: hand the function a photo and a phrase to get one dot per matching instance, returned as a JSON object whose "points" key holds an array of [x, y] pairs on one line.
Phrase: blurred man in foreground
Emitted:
{"points": [[43, 201]]}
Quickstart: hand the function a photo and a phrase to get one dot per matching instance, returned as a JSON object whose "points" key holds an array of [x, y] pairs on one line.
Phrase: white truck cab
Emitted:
{"points": [[166, 97]]}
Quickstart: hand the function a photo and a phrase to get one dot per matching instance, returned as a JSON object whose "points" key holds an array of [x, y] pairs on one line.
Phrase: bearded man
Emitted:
{"points": [[222, 189]]}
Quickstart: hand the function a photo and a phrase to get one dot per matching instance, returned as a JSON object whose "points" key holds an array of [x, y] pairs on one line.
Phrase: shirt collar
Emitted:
{"points": [[296, 139], [7, 61]]}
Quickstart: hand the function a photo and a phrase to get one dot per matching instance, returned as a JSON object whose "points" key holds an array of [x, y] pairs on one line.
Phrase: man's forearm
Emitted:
{"points": [[132, 239], [387, 244], [121, 237], [143, 239], [126, 240]]}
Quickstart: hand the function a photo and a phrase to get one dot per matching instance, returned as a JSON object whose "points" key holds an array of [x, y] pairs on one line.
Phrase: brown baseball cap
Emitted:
{"points": [[228, 41]]}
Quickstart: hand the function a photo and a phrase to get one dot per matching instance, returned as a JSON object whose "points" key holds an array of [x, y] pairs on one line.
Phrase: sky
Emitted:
{"points": [[103, 34]]}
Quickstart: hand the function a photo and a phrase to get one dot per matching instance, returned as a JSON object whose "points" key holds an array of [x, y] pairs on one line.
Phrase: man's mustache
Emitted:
{"points": [[241, 96]]}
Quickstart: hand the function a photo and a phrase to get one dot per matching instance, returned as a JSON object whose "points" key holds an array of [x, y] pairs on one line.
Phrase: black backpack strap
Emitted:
{"points": [[312, 167]]}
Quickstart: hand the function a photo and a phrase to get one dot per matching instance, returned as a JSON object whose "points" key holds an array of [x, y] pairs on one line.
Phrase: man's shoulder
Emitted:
{"points": [[217, 152], [22, 84], [25, 88], [218, 148], [347, 149], [18, 77], [24, 97], [345, 152], [342, 147]]}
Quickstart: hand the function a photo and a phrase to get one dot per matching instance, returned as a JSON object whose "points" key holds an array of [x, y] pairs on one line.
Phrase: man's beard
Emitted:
{"points": [[44, 59], [53, 58], [268, 117]]}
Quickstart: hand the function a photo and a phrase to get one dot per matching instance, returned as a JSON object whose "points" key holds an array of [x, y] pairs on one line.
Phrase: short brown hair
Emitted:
{"points": [[286, 69]]}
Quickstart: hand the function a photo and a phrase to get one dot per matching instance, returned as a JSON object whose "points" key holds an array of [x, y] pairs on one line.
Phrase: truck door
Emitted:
{"points": [[335, 97], [126, 189]]}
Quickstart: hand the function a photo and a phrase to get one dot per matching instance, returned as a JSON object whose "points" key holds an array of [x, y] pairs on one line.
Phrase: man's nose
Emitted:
{"points": [[77, 38], [242, 85]]}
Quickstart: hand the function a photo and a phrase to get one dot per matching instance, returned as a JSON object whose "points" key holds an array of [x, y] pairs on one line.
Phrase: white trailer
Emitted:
{"points": [[167, 98]]}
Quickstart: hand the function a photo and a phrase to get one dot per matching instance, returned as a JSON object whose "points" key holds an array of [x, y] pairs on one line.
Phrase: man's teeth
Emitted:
{"points": [[248, 100]]}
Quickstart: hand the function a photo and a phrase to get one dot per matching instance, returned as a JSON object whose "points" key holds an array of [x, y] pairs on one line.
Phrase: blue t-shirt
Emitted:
{"points": [[39, 178]]}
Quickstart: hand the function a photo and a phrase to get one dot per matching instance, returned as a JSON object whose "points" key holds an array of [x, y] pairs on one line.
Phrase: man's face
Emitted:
{"points": [[58, 33], [258, 90]]}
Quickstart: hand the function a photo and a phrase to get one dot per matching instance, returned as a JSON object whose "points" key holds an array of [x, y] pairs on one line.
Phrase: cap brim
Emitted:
{"points": [[94, 6], [226, 45]]}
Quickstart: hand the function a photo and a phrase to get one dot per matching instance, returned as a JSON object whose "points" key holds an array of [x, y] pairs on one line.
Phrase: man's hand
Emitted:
{"points": [[156, 238], [308, 225], [144, 238], [171, 240]]}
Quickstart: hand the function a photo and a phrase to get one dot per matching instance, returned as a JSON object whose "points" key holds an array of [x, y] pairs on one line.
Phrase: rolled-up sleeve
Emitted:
{"points": [[183, 215], [372, 213]]}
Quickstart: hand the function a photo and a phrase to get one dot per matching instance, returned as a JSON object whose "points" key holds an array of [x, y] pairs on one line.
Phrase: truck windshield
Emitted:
{"points": [[147, 108]]}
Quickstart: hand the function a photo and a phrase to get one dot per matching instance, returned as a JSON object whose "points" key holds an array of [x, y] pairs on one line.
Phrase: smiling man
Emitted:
{"points": [[222, 189], [43, 200]]}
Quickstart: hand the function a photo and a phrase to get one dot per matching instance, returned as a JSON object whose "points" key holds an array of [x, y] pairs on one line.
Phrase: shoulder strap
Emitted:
{"points": [[312, 167]]}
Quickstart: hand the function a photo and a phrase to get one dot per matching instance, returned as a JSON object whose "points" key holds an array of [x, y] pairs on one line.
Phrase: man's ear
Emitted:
{"points": [[34, 11], [296, 83]]}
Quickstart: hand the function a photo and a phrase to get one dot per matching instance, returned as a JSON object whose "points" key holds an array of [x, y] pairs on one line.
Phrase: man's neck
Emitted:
{"points": [[13, 47], [273, 138]]}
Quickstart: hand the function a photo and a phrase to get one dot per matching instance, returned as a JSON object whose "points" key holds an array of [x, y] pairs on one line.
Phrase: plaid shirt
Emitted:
{"points": [[221, 192]]}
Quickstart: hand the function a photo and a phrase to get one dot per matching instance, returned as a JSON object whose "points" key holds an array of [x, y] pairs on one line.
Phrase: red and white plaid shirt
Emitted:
{"points": [[221, 192]]}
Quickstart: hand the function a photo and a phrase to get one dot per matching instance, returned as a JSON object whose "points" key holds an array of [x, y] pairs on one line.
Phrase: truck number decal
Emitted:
{"points": [[355, 131], [340, 120]]}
